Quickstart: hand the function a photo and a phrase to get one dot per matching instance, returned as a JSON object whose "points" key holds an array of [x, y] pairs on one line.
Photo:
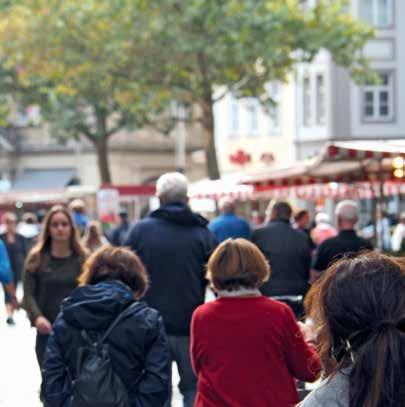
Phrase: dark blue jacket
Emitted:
{"points": [[138, 344], [289, 256], [174, 244]]}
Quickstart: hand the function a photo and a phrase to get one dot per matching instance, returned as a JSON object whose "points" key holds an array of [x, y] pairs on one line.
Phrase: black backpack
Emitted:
{"points": [[96, 383]]}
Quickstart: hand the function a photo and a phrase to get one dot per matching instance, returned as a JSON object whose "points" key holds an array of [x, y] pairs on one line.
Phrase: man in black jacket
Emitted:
{"points": [[174, 244], [287, 251]]}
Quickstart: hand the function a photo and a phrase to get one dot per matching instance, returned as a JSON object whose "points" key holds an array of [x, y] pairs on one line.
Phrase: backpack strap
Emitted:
{"points": [[117, 320]]}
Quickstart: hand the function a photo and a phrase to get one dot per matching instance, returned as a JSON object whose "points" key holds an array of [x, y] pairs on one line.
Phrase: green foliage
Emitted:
{"points": [[100, 65]]}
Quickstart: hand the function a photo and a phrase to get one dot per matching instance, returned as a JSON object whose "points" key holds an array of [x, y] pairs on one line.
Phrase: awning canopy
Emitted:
{"points": [[44, 179], [221, 188], [344, 162]]}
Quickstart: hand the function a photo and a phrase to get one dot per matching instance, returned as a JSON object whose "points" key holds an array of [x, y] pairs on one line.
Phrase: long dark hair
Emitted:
{"points": [[358, 308], [43, 246]]}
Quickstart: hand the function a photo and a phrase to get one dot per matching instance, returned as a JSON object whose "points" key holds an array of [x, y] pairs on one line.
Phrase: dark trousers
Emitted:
{"points": [[40, 347], [180, 353]]}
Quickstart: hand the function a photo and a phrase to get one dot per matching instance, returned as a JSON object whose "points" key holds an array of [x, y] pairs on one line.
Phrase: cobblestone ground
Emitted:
{"points": [[19, 374]]}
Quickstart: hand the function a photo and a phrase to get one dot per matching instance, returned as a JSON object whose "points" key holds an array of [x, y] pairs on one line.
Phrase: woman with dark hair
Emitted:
{"points": [[358, 310], [247, 349], [51, 271], [113, 281]]}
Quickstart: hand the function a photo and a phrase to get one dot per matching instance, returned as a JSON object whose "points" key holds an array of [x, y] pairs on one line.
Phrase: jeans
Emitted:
{"points": [[180, 353]]}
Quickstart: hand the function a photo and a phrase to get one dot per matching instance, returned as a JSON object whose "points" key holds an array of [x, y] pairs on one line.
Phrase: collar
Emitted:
{"points": [[241, 292]]}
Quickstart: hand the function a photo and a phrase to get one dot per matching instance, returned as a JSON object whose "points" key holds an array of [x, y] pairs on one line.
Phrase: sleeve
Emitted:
{"points": [[56, 381], [153, 387], [396, 240], [321, 260], [132, 238], [6, 275], [302, 359], [194, 344], [30, 303]]}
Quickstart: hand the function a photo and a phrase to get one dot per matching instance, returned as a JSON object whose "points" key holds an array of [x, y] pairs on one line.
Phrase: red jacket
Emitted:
{"points": [[247, 351]]}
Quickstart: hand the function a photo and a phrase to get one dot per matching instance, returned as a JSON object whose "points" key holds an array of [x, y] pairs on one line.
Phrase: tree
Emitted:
{"points": [[83, 62], [233, 46]]}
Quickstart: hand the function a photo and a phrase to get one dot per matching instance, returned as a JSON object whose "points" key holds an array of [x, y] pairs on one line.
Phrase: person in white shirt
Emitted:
{"points": [[399, 234]]}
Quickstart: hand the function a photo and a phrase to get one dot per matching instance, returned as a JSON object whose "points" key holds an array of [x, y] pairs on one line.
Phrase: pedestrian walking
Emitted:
{"points": [[247, 349], [119, 233], [301, 222], [288, 252], [398, 235], [93, 238], [107, 303], [174, 244], [358, 311], [6, 275], [51, 271], [227, 224], [16, 246], [323, 229], [346, 242]]}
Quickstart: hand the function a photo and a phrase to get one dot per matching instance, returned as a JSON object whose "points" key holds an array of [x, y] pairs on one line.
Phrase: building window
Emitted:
{"points": [[274, 110], [252, 107], [378, 100], [234, 116], [378, 12], [306, 101], [320, 100]]}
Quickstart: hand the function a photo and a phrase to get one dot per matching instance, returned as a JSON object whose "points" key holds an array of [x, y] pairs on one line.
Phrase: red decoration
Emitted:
{"points": [[240, 157]]}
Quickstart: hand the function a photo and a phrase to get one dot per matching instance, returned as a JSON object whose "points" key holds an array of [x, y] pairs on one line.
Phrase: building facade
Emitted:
{"points": [[331, 107]]}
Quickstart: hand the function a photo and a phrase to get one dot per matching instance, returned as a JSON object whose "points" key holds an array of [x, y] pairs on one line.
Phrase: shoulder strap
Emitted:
{"points": [[117, 320]]}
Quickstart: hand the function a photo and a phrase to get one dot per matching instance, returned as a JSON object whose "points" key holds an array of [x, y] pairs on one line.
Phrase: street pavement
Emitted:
{"points": [[19, 373]]}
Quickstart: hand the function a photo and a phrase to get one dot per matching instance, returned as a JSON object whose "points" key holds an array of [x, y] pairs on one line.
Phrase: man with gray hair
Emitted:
{"points": [[346, 242], [174, 244]]}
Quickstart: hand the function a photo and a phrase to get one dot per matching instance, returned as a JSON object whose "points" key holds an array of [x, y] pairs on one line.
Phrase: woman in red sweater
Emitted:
{"points": [[247, 349]]}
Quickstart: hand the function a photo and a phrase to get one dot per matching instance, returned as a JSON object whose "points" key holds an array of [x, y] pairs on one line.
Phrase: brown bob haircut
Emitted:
{"points": [[115, 263], [237, 263]]}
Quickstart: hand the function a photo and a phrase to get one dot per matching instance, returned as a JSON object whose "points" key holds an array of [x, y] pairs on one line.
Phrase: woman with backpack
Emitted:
{"points": [[358, 311], [107, 347]]}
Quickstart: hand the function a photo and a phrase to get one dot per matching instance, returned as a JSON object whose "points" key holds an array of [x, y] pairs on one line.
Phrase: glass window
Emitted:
{"points": [[274, 111], [378, 99], [377, 12], [234, 116], [253, 115], [306, 92], [320, 100]]}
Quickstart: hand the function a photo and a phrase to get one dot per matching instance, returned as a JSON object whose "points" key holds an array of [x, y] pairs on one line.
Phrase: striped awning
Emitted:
{"points": [[344, 163]]}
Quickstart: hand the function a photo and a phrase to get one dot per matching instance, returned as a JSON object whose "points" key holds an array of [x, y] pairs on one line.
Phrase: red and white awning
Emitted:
{"points": [[344, 163], [217, 189]]}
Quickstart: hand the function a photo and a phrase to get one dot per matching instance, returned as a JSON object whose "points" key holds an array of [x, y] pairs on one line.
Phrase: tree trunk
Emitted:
{"points": [[101, 145], [209, 140]]}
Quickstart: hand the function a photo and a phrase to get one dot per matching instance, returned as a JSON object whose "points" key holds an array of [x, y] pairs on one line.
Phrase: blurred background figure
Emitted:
{"points": [[288, 252], [227, 224], [301, 222], [345, 242], [119, 233], [29, 228], [93, 237], [51, 272], [16, 246], [6, 275], [80, 219], [398, 235], [358, 312], [323, 229]]}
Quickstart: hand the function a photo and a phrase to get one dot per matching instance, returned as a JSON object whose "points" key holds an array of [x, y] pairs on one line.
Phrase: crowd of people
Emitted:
{"points": [[291, 305]]}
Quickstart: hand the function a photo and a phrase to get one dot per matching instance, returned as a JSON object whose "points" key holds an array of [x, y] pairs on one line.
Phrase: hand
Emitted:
{"points": [[43, 326], [307, 331]]}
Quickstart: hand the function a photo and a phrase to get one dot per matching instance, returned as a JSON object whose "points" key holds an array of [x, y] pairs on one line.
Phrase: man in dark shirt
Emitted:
{"points": [[287, 251], [346, 242]]}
